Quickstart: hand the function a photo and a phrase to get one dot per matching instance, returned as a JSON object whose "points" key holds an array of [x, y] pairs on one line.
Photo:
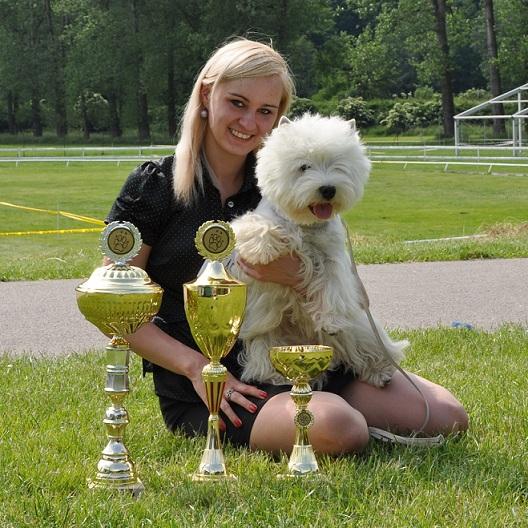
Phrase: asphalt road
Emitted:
{"points": [[41, 317]]}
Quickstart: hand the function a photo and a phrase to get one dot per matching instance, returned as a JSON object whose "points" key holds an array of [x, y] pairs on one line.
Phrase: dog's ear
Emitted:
{"points": [[352, 124], [283, 120]]}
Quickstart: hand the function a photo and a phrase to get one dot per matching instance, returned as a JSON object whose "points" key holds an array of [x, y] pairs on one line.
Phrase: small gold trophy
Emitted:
{"points": [[214, 305], [118, 299], [299, 364]]}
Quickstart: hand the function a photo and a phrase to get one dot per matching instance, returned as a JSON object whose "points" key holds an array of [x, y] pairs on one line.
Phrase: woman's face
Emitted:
{"points": [[241, 113]]}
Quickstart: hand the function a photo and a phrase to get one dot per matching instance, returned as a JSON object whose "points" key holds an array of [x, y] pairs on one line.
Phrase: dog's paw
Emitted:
{"points": [[379, 378], [330, 330]]}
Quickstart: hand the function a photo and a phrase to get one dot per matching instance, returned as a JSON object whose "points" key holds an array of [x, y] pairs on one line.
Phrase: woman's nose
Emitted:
{"points": [[248, 121]]}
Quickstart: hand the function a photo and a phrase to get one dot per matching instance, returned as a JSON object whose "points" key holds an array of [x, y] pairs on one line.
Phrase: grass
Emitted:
{"points": [[52, 434], [400, 204]]}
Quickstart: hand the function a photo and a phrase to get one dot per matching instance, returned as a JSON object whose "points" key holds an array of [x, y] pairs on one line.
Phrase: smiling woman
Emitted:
{"points": [[238, 98]]}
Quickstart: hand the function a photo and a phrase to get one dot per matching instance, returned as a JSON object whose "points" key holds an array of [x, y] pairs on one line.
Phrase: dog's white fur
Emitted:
{"points": [[301, 160]]}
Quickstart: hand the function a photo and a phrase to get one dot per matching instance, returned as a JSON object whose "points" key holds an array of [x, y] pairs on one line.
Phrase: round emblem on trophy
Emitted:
{"points": [[304, 418], [120, 241], [215, 240]]}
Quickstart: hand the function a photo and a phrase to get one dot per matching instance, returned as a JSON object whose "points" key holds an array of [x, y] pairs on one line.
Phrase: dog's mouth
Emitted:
{"points": [[322, 211]]}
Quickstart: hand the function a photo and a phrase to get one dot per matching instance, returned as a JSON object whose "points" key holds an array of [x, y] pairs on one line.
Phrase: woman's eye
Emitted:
{"points": [[304, 167], [237, 103], [265, 111]]}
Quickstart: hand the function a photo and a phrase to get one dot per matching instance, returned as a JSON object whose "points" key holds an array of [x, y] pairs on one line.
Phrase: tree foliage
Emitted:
{"points": [[119, 64]]}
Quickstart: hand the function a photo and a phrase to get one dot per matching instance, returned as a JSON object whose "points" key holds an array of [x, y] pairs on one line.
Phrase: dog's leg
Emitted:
{"points": [[259, 241]]}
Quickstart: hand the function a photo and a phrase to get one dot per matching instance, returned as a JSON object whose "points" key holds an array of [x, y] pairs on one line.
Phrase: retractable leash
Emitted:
{"points": [[375, 432]]}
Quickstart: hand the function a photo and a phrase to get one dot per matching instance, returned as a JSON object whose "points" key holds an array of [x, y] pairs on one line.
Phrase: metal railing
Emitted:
{"points": [[403, 154]]}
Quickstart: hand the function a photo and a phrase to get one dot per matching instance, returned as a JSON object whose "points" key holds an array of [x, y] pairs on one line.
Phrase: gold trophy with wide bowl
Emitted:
{"points": [[118, 299], [299, 364], [214, 304]]}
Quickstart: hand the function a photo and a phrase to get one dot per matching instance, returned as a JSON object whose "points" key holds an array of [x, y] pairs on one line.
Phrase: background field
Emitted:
{"points": [[400, 204]]}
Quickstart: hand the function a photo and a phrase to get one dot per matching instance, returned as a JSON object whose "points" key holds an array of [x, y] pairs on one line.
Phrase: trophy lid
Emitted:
{"points": [[118, 279], [120, 242]]}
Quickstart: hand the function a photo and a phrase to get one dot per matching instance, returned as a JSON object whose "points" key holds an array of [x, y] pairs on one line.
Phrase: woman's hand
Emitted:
{"points": [[235, 392], [284, 270]]}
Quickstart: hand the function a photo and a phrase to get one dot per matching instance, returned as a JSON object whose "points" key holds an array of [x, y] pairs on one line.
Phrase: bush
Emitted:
{"points": [[412, 114], [301, 105], [96, 109], [471, 98], [356, 108]]}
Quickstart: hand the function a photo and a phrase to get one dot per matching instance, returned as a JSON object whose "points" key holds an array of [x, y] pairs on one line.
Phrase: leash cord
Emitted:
{"points": [[366, 306]]}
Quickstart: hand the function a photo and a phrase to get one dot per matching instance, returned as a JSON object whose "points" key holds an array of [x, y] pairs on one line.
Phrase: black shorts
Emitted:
{"points": [[191, 418]]}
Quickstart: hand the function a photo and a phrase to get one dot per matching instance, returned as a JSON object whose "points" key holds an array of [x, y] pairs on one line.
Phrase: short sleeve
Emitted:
{"points": [[146, 200]]}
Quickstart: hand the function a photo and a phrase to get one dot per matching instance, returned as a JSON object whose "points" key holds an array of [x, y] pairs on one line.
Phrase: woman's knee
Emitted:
{"points": [[338, 429], [451, 417]]}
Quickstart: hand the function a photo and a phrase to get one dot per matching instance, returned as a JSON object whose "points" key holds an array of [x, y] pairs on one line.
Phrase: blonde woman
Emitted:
{"points": [[238, 97]]}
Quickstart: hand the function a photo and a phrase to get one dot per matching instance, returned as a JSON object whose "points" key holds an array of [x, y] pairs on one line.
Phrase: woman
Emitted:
{"points": [[237, 99]]}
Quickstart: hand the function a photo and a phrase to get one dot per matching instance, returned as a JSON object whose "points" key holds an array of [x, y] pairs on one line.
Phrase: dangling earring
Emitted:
{"points": [[204, 113]]}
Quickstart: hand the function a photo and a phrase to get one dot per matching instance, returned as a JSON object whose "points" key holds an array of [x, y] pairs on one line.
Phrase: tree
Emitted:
{"points": [[448, 104], [56, 59], [494, 73]]}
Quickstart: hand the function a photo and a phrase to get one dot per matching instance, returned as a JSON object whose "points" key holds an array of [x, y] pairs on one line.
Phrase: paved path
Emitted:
{"points": [[41, 317]]}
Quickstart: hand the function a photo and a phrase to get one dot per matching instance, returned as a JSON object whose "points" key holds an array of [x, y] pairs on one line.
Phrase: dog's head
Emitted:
{"points": [[312, 168]]}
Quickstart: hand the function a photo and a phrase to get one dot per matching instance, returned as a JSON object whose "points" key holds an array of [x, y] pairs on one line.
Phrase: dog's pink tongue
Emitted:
{"points": [[323, 211]]}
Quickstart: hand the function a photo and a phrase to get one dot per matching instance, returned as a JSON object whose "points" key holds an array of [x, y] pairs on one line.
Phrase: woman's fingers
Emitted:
{"points": [[235, 394]]}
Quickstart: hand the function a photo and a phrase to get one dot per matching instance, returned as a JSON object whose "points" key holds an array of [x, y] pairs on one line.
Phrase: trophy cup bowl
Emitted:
{"points": [[299, 364], [118, 299], [214, 305]]}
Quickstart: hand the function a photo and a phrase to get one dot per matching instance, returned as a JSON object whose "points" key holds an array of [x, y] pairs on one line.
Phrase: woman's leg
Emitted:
{"points": [[399, 407], [337, 429]]}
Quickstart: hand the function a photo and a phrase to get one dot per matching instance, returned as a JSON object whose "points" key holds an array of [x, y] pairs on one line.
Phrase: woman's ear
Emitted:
{"points": [[205, 91]]}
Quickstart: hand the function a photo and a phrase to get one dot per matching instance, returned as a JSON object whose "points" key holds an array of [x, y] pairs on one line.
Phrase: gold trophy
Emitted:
{"points": [[118, 299], [299, 364], [214, 305]]}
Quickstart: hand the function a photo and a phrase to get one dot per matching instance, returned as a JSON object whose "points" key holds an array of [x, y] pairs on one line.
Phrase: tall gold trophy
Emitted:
{"points": [[299, 364], [118, 299], [214, 305]]}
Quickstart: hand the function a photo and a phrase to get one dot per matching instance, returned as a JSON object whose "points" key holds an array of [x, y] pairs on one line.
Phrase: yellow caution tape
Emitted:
{"points": [[52, 232], [66, 214]]}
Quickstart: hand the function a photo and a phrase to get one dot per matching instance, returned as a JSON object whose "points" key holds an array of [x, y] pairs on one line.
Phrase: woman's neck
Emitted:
{"points": [[226, 172]]}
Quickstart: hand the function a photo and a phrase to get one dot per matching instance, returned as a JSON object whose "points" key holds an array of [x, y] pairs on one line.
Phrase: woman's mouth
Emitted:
{"points": [[238, 134]]}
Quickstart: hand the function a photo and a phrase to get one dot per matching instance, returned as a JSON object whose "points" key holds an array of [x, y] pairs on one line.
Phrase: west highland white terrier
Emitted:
{"points": [[309, 171]]}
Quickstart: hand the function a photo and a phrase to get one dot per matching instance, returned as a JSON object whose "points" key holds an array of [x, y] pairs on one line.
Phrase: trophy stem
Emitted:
{"points": [[302, 459], [115, 469], [212, 466]]}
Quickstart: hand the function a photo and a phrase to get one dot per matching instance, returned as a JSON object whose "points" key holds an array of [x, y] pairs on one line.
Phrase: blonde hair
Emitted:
{"points": [[238, 59]]}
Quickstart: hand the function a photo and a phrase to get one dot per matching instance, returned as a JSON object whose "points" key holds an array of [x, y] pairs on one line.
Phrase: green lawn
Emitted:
{"points": [[400, 204], [51, 436]]}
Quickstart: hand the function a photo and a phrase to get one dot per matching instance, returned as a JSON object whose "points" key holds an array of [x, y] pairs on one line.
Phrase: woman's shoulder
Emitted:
{"points": [[154, 170]]}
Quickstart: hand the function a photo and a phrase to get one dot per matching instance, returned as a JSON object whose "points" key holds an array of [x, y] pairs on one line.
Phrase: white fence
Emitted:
{"points": [[488, 156]]}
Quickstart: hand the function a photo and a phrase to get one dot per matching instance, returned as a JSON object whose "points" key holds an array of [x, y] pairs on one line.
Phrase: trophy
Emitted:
{"points": [[118, 299], [299, 364], [214, 305]]}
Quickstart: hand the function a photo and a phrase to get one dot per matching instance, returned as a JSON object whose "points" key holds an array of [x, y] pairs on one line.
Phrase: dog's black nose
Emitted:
{"points": [[327, 191]]}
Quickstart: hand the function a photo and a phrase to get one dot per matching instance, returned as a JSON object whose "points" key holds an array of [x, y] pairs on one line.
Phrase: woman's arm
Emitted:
{"points": [[154, 345]]}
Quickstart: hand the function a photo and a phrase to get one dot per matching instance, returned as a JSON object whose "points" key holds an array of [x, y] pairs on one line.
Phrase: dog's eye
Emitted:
{"points": [[304, 167]]}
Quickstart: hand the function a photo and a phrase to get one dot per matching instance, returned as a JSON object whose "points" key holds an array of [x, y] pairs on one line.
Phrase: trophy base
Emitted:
{"points": [[210, 477], [212, 467], [135, 488], [302, 463]]}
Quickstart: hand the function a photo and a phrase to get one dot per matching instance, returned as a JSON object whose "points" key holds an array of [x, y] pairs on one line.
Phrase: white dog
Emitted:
{"points": [[309, 170]]}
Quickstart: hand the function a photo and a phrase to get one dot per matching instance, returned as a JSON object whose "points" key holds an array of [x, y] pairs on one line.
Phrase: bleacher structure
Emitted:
{"points": [[516, 111]]}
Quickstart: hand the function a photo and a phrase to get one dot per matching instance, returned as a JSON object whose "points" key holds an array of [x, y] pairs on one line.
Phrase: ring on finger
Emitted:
{"points": [[228, 394]]}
